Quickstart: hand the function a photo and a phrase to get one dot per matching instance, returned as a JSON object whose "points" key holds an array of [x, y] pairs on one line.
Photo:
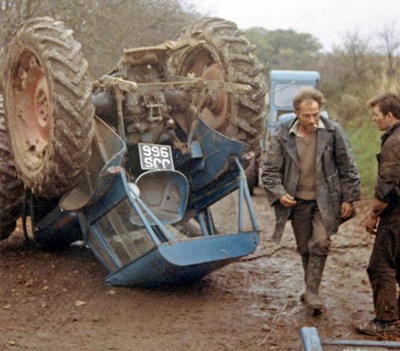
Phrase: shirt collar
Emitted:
{"points": [[295, 127]]}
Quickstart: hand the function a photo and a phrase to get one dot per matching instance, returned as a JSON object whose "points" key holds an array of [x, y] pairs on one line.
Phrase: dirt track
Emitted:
{"points": [[58, 301]]}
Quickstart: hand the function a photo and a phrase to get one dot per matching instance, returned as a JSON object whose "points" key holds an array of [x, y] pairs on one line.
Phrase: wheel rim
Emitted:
{"points": [[200, 61], [216, 113], [30, 96]]}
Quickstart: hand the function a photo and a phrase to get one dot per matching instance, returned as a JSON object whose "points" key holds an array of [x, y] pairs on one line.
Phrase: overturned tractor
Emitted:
{"points": [[128, 162]]}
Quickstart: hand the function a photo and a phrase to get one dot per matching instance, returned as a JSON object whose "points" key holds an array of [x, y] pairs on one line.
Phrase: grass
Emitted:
{"points": [[365, 141]]}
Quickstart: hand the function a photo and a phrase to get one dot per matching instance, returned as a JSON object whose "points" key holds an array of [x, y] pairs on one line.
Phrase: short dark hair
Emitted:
{"points": [[388, 102], [308, 94]]}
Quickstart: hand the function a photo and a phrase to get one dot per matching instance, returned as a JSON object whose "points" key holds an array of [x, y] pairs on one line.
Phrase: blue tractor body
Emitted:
{"points": [[129, 224]]}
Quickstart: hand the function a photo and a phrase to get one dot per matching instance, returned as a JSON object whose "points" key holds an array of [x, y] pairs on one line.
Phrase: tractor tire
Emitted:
{"points": [[11, 188], [219, 51], [49, 111]]}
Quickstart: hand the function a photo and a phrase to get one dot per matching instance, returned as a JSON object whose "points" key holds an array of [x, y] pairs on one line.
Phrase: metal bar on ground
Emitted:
{"points": [[391, 345], [310, 339], [311, 342]]}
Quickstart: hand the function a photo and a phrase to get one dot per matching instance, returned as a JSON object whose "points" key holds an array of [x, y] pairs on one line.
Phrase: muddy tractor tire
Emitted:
{"points": [[11, 188], [48, 107], [219, 51]]}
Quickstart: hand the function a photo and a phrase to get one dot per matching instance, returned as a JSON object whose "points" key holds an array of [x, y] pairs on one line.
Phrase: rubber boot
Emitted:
{"points": [[315, 268], [304, 260]]}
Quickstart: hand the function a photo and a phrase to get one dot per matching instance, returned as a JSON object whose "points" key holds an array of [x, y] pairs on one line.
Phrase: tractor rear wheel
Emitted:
{"points": [[11, 188], [49, 112], [219, 51]]}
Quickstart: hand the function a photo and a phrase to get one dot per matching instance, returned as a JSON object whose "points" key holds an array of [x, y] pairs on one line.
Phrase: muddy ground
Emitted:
{"points": [[58, 301]]}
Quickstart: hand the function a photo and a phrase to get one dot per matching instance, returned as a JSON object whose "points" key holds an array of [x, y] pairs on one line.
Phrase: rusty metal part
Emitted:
{"points": [[32, 100]]}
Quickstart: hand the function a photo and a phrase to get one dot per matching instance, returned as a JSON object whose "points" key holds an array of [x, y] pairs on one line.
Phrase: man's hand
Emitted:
{"points": [[287, 200], [371, 223], [346, 210], [372, 219]]}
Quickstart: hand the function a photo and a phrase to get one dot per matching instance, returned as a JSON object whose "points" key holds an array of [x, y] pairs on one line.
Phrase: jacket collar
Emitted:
{"points": [[324, 135], [390, 131]]}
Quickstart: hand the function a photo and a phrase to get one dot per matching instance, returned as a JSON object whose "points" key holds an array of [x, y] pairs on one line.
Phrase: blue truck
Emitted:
{"points": [[284, 85]]}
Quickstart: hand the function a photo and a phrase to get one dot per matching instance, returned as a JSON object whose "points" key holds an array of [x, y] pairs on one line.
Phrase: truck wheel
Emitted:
{"points": [[48, 106], [220, 52], [11, 188], [252, 175]]}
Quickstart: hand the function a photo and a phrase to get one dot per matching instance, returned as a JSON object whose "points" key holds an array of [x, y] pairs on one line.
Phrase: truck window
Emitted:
{"points": [[285, 92]]}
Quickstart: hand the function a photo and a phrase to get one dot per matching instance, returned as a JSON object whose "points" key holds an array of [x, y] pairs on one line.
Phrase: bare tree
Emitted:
{"points": [[104, 27], [119, 24], [356, 52], [350, 75], [389, 38]]}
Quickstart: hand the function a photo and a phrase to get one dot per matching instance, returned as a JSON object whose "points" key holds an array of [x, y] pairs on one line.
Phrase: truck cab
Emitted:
{"points": [[284, 85]]}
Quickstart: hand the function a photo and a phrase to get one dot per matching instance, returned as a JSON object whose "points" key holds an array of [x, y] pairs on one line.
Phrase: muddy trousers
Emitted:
{"points": [[313, 245], [384, 269]]}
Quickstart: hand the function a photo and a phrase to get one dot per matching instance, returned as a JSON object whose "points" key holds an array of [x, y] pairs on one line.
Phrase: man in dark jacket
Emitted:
{"points": [[310, 178], [383, 220]]}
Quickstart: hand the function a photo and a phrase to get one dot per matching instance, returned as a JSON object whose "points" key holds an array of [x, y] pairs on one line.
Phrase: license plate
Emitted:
{"points": [[154, 156]]}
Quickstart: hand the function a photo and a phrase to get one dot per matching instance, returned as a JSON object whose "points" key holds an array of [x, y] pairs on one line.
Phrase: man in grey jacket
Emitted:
{"points": [[311, 179]]}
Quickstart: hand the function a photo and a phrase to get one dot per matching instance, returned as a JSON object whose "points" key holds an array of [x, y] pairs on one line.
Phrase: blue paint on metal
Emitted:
{"points": [[166, 193], [311, 342], [218, 152], [114, 195], [185, 261], [107, 154], [132, 235], [244, 194], [290, 75], [166, 261], [310, 339]]}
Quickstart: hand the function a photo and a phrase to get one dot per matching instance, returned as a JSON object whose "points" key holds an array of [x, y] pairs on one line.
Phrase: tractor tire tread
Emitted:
{"points": [[240, 66], [11, 188]]}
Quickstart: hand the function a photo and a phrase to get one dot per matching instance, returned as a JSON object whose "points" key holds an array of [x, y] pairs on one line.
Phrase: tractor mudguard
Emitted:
{"points": [[108, 150]]}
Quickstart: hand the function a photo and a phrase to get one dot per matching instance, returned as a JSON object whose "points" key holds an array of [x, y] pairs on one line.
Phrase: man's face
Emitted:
{"points": [[308, 116], [383, 122]]}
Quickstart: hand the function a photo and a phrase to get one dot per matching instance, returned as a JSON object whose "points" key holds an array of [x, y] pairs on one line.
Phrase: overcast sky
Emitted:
{"points": [[327, 20]]}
